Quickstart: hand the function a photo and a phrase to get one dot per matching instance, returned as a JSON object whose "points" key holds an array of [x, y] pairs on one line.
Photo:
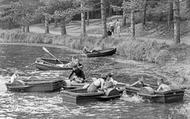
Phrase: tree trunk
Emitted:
{"points": [[46, 25], [177, 21], [55, 22], [109, 8], [124, 23], [187, 4], [124, 16], [170, 14], [144, 12], [27, 28], [103, 17], [88, 17], [133, 24], [23, 28], [63, 27], [110, 11], [83, 25]]}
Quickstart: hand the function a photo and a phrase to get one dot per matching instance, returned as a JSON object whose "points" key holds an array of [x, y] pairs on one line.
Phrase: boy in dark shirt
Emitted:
{"points": [[78, 73]]}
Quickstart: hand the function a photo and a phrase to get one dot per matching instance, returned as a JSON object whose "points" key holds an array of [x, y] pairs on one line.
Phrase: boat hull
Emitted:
{"points": [[81, 96], [158, 97], [36, 86], [50, 67], [51, 64], [102, 53]]}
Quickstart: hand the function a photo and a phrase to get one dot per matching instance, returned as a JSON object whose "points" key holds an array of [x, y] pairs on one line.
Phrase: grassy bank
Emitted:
{"points": [[139, 50]]}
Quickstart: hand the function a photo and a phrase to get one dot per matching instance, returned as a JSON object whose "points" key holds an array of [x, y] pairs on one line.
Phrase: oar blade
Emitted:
{"points": [[45, 49]]}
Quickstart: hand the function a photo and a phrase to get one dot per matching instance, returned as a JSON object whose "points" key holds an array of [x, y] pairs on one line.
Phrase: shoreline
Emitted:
{"points": [[46, 45]]}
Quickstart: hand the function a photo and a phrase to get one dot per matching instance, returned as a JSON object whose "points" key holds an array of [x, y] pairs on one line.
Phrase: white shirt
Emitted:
{"points": [[163, 87], [99, 82], [13, 77], [113, 81]]}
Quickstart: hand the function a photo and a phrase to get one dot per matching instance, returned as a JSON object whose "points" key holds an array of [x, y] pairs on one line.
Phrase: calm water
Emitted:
{"points": [[50, 105]]}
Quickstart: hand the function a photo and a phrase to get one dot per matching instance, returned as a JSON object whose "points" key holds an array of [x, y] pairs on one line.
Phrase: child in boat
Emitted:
{"points": [[86, 50], [144, 88], [110, 82], [162, 86], [74, 61], [102, 83], [139, 83], [14, 80], [97, 84], [78, 73]]}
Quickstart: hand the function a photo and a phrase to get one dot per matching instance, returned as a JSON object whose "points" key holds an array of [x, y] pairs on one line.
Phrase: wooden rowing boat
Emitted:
{"points": [[101, 53], [67, 84], [52, 64], [37, 85], [81, 96], [175, 95]]}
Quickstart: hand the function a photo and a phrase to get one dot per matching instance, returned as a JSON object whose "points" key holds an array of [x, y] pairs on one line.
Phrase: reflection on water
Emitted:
{"points": [[50, 105]]}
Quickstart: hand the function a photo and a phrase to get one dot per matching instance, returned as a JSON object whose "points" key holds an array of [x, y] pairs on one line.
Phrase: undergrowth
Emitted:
{"points": [[139, 50]]}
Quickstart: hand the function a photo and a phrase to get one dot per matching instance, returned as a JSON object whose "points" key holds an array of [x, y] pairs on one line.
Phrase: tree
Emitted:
{"points": [[144, 12], [177, 21], [83, 24], [133, 6], [187, 4], [21, 12], [124, 23], [170, 13], [85, 6], [46, 10], [62, 10], [103, 17]]}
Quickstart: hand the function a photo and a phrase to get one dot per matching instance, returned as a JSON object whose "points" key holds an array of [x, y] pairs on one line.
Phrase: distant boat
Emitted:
{"points": [[52, 64], [101, 53], [35, 85], [158, 97]]}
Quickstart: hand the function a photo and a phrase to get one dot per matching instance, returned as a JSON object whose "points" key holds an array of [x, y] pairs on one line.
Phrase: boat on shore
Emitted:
{"points": [[174, 95], [35, 85], [52, 64], [101, 53], [81, 96]]}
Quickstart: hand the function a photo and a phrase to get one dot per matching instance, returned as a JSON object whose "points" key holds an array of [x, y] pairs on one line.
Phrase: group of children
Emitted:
{"points": [[114, 27], [103, 83], [106, 81], [160, 82]]}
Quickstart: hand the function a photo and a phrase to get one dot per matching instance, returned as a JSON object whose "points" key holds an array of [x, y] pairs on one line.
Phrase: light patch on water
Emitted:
{"points": [[3, 80], [185, 110], [135, 98]]}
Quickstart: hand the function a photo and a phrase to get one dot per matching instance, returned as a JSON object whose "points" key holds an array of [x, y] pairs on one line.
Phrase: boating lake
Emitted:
{"points": [[51, 106]]}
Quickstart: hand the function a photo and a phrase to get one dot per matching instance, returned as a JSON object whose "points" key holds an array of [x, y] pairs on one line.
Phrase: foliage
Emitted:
{"points": [[134, 5], [66, 9], [21, 12]]}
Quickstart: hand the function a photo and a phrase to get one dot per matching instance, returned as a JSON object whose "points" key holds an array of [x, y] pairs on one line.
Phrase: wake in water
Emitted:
{"points": [[135, 98]]}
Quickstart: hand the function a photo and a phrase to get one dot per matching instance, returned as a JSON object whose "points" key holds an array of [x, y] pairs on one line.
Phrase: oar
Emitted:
{"points": [[46, 50]]}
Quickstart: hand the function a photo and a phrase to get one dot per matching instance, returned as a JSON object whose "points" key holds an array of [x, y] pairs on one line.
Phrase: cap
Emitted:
{"points": [[109, 75], [103, 76]]}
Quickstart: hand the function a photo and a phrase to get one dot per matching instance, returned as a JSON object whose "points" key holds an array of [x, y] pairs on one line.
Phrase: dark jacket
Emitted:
{"points": [[78, 72]]}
